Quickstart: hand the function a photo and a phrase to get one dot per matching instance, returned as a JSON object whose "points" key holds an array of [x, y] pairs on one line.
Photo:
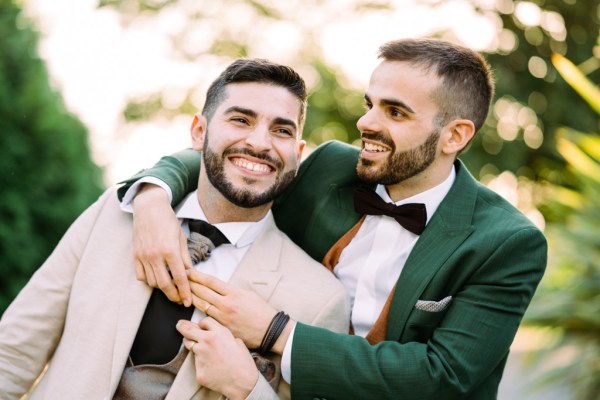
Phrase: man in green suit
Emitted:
{"points": [[435, 309]]}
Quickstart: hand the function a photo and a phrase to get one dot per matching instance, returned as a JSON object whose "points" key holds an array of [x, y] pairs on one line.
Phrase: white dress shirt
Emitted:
{"points": [[371, 264]]}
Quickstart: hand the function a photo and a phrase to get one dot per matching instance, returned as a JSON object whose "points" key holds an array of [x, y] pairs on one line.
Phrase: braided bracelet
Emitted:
{"points": [[274, 330]]}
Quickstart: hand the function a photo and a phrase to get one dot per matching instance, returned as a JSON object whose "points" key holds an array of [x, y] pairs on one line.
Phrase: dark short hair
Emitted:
{"points": [[467, 84], [255, 70]]}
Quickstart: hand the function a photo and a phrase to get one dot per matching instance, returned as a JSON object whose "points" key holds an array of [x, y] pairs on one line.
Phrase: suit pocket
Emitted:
{"points": [[421, 324]]}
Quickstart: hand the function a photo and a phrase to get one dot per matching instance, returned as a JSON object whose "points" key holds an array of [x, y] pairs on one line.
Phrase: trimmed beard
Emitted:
{"points": [[243, 197], [399, 166]]}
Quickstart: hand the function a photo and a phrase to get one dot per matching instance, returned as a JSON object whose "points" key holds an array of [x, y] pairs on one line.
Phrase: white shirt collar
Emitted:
{"points": [[240, 234], [431, 197]]}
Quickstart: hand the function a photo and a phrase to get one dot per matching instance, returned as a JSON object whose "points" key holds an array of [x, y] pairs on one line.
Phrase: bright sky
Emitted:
{"points": [[97, 62]]}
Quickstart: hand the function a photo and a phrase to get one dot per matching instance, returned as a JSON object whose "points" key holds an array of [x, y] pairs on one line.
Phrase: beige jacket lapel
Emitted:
{"points": [[259, 269]]}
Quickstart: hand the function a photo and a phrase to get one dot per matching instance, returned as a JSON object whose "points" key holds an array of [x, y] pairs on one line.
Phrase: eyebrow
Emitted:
{"points": [[393, 103], [253, 114], [241, 110]]}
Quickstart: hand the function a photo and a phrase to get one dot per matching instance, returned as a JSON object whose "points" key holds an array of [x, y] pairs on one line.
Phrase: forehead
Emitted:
{"points": [[400, 80], [266, 100]]}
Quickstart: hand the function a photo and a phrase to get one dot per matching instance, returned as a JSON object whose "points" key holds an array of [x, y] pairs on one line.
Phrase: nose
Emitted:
{"points": [[369, 122], [259, 138]]}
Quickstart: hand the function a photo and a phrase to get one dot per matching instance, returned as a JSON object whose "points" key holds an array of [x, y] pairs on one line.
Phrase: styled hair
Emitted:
{"points": [[467, 84], [255, 70]]}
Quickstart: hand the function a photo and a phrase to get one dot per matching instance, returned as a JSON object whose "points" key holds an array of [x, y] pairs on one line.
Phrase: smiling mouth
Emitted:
{"points": [[252, 166], [374, 148]]}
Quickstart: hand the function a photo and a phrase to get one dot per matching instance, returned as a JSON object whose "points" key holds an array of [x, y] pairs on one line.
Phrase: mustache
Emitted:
{"points": [[379, 137], [265, 157]]}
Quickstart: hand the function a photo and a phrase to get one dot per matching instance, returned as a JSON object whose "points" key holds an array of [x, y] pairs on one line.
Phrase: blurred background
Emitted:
{"points": [[91, 91]]}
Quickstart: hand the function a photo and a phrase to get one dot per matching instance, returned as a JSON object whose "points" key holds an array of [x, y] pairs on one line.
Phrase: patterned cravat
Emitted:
{"points": [[204, 237], [412, 216], [157, 341]]}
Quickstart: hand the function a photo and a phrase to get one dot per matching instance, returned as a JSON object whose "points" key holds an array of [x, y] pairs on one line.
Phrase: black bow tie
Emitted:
{"points": [[412, 216]]}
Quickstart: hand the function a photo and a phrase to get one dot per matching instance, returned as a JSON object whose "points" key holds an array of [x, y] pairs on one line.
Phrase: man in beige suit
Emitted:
{"points": [[83, 313]]}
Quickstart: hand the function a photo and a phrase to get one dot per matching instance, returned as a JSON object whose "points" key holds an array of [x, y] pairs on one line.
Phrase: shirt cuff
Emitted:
{"points": [[286, 358], [127, 202]]}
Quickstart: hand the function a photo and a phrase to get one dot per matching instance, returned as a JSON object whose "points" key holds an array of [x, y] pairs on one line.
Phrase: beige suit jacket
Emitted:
{"points": [[80, 311]]}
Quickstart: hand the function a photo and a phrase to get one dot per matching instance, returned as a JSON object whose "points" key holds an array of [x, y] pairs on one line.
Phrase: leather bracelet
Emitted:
{"points": [[273, 332]]}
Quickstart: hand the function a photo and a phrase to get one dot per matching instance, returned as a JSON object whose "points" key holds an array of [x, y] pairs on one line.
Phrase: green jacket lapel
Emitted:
{"points": [[447, 229]]}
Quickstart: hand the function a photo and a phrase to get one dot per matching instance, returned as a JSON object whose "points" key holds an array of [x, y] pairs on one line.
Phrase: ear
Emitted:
{"points": [[301, 144], [198, 131], [457, 133]]}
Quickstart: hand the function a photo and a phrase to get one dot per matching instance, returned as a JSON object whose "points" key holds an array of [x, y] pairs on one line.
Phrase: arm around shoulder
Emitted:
{"points": [[179, 171]]}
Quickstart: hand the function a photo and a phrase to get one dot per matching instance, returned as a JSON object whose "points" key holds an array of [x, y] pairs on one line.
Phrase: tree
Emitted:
{"points": [[532, 102], [46, 174]]}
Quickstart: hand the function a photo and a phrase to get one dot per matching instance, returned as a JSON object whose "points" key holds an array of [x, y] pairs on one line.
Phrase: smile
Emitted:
{"points": [[251, 166], [371, 147]]}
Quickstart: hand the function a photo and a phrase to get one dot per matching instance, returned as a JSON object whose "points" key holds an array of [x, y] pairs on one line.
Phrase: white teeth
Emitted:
{"points": [[255, 167], [374, 147]]}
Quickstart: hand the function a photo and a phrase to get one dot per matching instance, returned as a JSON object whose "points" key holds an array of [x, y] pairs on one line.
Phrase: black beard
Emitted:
{"points": [[399, 166], [243, 197]]}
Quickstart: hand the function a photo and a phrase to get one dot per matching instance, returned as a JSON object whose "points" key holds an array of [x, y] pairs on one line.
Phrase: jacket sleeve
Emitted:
{"points": [[31, 327], [470, 342], [262, 391], [179, 171]]}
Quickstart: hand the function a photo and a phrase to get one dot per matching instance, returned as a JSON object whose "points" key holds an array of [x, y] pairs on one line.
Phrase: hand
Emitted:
{"points": [[243, 312], [158, 242], [222, 362]]}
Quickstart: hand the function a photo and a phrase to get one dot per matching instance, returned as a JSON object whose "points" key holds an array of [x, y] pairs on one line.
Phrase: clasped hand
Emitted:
{"points": [[242, 311]]}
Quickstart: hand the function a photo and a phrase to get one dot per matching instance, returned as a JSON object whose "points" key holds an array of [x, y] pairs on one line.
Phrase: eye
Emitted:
{"points": [[284, 132], [397, 113], [368, 105], [240, 120]]}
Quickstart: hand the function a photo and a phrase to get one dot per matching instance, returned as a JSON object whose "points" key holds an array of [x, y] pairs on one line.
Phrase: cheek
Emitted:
{"points": [[289, 154], [409, 136]]}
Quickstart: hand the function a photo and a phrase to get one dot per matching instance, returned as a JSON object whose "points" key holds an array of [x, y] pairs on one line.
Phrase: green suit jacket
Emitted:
{"points": [[476, 248]]}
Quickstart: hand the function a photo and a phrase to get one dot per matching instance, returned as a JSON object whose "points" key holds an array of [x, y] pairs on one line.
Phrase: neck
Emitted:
{"points": [[434, 175], [219, 209]]}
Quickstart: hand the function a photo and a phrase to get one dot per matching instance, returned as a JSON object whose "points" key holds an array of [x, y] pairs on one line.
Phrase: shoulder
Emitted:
{"points": [[334, 153], [488, 206], [332, 163]]}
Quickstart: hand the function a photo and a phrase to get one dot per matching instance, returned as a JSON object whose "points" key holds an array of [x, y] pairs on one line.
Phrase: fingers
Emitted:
{"points": [[210, 324], [178, 266], [156, 232], [210, 282], [189, 344], [204, 297], [164, 282], [196, 332], [140, 273]]}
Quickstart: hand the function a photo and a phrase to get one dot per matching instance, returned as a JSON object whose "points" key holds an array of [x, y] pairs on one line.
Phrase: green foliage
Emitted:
{"points": [[567, 303], [333, 110], [46, 175], [547, 96]]}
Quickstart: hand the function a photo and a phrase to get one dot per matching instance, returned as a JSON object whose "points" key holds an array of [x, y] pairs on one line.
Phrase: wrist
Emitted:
{"points": [[150, 194], [283, 338], [243, 387], [273, 332]]}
